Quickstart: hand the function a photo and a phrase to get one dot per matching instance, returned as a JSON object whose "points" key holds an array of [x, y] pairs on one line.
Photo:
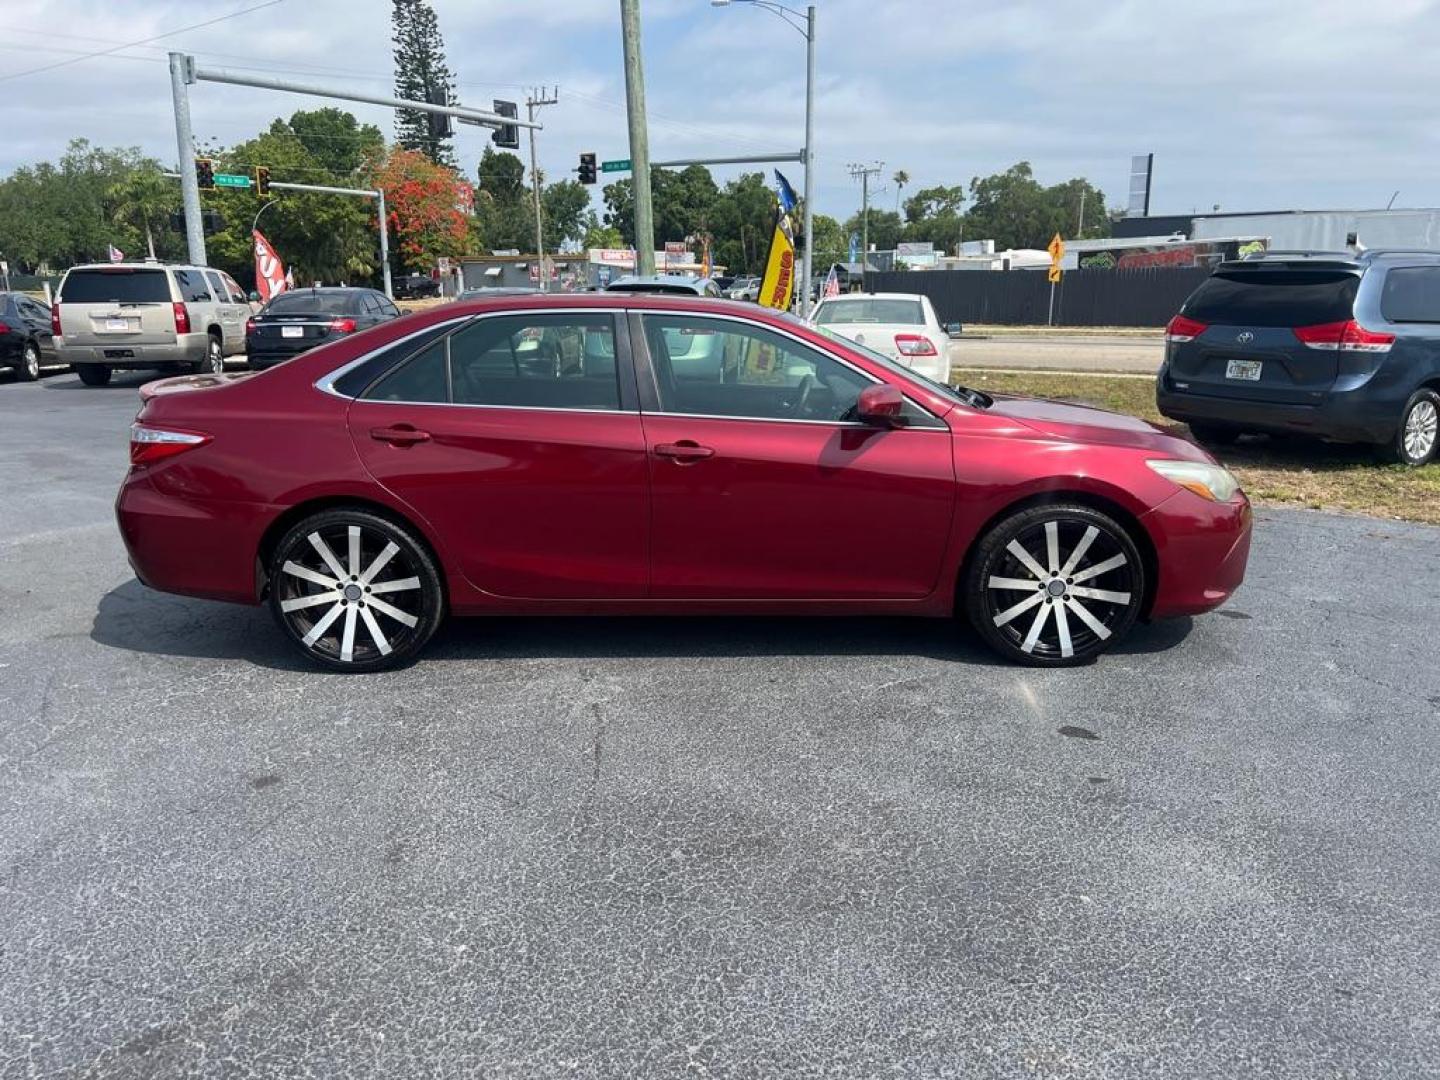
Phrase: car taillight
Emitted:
{"points": [[249, 326], [4, 328], [345, 326], [182, 318], [913, 345], [1347, 336], [55, 320], [1180, 329], [151, 444]]}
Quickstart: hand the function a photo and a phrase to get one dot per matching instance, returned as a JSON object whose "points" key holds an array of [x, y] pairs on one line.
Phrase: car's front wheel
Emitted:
{"points": [[1419, 433], [1054, 586], [355, 591]]}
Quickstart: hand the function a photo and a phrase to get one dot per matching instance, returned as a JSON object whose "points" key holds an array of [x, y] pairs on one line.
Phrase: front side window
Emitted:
{"points": [[192, 286], [710, 367]]}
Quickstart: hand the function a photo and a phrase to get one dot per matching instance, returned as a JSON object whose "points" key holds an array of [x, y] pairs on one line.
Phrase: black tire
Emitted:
{"points": [[1417, 439], [214, 360], [396, 628], [93, 374], [1214, 434], [29, 369], [1092, 613]]}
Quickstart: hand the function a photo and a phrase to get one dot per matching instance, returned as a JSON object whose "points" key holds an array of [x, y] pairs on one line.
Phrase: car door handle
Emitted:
{"points": [[399, 435], [685, 450]]}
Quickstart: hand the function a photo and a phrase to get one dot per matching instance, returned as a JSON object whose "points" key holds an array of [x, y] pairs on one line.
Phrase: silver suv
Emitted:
{"points": [[147, 315]]}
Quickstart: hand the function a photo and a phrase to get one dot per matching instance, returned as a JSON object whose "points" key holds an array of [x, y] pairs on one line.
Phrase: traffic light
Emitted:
{"points": [[262, 181], [205, 173], [440, 123], [507, 135], [587, 168]]}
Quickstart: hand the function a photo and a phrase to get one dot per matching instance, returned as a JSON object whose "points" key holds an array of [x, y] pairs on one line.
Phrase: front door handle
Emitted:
{"points": [[684, 451], [399, 435]]}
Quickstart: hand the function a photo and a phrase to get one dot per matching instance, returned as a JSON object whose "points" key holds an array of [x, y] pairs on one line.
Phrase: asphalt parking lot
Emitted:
{"points": [[708, 848]]}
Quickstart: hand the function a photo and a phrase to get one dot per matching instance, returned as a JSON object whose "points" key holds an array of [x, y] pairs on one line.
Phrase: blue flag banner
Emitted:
{"points": [[785, 193]]}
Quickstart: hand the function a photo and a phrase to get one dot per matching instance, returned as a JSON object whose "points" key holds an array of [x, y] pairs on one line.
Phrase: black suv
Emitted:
{"points": [[1332, 344]]}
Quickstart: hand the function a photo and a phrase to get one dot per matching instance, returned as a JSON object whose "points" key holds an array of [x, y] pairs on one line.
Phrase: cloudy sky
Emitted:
{"points": [[1251, 105]]}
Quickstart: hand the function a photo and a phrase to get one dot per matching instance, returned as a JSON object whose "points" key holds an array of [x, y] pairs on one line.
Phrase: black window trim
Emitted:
{"points": [[650, 397]]}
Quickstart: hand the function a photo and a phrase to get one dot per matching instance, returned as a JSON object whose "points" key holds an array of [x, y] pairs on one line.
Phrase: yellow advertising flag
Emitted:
{"points": [[778, 285]]}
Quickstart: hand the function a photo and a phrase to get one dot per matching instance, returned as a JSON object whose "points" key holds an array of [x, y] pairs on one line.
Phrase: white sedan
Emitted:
{"points": [[902, 326]]}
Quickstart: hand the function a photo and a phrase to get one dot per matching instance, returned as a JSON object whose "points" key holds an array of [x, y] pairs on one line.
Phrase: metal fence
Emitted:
{"points": [[1147, 297]]}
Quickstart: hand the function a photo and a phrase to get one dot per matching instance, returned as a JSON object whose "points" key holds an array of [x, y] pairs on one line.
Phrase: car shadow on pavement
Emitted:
{"points": [[138, 619]]}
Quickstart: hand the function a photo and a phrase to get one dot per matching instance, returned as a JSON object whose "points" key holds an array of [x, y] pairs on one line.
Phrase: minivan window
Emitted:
{"points": [[120, 286], [1411, 295], [1274, 298], [191, 284]]}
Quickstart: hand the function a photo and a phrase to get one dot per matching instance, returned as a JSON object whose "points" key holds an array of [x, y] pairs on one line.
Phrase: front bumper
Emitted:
{"points": [[1202, 548]]}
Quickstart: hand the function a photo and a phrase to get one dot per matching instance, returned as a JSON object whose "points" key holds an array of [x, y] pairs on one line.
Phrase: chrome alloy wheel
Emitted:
{"points": [[1421, 426], [1062, 588], [350, 594]]}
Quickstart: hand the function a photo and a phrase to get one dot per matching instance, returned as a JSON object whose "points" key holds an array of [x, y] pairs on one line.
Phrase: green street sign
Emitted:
{"points": [[605, 166], [231, 180]]}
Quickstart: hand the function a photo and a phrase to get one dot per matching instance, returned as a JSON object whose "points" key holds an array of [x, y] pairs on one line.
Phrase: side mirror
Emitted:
{"points": [[880, 405], [954, 329]]}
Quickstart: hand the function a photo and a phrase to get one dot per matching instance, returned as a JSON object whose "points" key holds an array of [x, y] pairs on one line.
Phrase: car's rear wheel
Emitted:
{"points": [[1055, 586], [94, 374], [355, 591], [29, 369], [1214, 434], [214, 362], [1419, 433]]}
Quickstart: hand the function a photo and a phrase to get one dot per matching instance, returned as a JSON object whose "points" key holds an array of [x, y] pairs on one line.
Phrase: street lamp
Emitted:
{"points": [[805, 23]]}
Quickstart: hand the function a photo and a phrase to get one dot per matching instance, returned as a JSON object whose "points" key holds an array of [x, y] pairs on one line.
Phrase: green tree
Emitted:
{"points": [[420, 70], [934, 214], [336, 140], [141, 205], [830, 242], [564, 204], [900, 179], [504, 217], [742, 219], [597, 235], [886, 228], [1016, 211]]}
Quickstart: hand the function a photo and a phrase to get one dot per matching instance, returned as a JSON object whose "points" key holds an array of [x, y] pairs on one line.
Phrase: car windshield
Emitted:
{"points": [[1274, 298], [870, 310], [308, 302], [963, 394], [118, 286]]}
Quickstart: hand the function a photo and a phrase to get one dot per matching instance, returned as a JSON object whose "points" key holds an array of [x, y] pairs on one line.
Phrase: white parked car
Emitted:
{"points": [[902, 326]]}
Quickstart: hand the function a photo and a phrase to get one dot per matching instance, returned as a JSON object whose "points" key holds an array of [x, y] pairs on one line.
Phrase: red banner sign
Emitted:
{"points": [[269, 270]]}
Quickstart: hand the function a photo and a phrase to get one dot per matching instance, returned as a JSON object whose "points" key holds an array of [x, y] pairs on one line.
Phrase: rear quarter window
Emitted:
{"points": [[115, 286], [1411, 295], [1274, 298], [191, 284]]}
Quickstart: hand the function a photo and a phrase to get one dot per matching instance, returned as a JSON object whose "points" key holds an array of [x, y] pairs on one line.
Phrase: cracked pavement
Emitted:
{"points": [[800, 848]]}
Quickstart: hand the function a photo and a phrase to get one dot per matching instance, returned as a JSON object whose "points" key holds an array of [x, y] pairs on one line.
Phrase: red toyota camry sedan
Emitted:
{"points": [[631, 453]]}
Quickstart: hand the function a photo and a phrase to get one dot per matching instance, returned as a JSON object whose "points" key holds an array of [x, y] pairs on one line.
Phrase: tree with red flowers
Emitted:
{"points": [[424, 201]]}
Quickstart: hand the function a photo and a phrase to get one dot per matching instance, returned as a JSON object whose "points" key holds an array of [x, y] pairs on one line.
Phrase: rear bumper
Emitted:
{"points": [[185, 349], [1360, 415], [1202, 549], [195, 548]]}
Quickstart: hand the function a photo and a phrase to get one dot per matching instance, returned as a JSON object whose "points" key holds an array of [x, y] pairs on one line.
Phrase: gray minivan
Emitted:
{"points": [[1339, 345], [147, 315]]}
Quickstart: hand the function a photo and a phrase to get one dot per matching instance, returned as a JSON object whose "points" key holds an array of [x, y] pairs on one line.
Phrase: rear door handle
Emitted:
{"points": [[399, 435], [685, 450]]}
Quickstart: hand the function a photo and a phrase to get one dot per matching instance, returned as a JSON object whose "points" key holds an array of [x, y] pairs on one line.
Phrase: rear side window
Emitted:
{"points": [[191, 284], [1411, 295], [423, 379], [115, 287], [1274, 298], [354, 381]]}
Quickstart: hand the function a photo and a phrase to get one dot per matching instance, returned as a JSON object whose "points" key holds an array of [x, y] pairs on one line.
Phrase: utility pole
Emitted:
{"points": [[639, 138], [533, 102], [865, 172], [1080, 227], [182, 73]]}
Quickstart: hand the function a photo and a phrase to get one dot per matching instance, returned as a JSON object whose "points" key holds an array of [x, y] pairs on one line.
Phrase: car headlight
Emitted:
{"points": [[1206, 480]]}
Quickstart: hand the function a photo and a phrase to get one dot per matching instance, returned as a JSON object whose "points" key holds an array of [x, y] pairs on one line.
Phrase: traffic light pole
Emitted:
{"points": [[182, 70]]}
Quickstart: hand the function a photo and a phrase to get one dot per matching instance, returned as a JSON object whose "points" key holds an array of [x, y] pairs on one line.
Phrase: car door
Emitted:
{"points": [[37, 319], [517, 437], [763, 487]]}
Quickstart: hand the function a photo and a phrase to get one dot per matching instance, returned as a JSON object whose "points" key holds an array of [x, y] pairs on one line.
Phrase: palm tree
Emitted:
{"points": [[901, 178]]}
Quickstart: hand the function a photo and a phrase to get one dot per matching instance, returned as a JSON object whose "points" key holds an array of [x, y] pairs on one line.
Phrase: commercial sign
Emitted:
{"points": [[926, 247]]}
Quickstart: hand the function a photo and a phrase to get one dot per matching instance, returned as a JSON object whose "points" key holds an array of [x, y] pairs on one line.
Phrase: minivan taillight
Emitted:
{"points": [[182, 318], [55, 320], [913, 345], [344, 326], [1347, 336], [1181, 329], [152, 444]]}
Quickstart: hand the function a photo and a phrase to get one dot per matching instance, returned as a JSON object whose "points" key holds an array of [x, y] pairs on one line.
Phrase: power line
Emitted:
{"points": [[141, 41]]}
